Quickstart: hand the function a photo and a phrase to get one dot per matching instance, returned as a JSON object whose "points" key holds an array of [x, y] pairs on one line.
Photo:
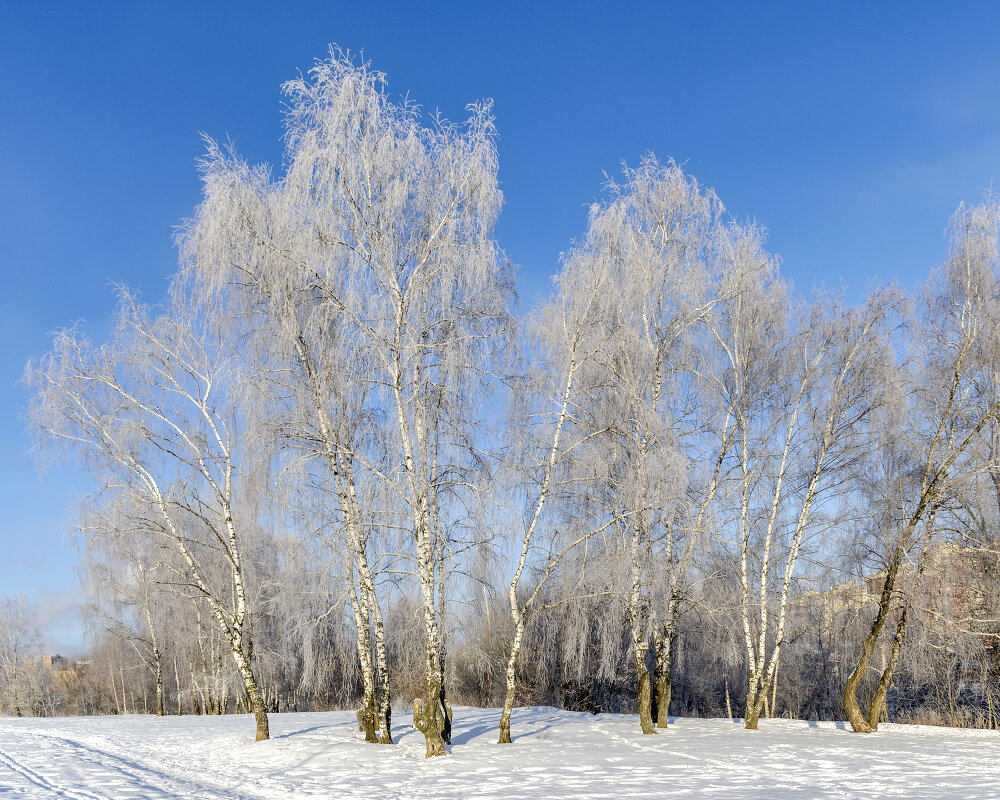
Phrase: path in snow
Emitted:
{"points": [[555, 754]]}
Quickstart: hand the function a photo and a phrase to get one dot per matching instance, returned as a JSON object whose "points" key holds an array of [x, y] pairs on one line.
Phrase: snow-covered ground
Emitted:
{"points": [[556, 754]]}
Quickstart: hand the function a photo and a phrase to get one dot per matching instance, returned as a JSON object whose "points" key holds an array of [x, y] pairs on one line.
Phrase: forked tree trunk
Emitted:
{"points": [[860, 722], [881, 691], [756, 699], [852, 708], [934, 473], [429, 719]]}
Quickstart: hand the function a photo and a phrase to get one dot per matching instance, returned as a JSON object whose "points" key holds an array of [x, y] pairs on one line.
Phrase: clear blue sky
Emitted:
{"points": [[851, 132]]}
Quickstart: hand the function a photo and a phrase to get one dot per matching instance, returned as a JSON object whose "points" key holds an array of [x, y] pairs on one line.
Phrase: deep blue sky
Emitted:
{"points": [[851, 133]]}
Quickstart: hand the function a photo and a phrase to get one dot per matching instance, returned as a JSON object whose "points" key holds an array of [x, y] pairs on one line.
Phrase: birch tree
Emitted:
{"points": [[556, 427], [150, 413], [407, 205], [254, 247], [658, 231], [955, 346], [802, 385]]}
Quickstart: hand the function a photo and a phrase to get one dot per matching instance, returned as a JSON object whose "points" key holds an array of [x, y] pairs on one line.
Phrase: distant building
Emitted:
{"points": [[950, 591], [51, 661]]}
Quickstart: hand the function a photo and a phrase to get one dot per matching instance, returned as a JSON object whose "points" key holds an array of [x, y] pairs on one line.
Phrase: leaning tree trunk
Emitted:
{"points": [[518, 613], [852, 708], [373, 713], [511, 685], [882, 690], [860, 722], [254, 698], [879, 698], [378, 705]]}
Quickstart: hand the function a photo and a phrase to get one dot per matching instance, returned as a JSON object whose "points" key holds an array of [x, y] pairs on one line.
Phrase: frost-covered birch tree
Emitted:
{"points": [[153, 415], [657, 230], [802, 381], [406, 206], [555, 428], [255, 248], [954, 342]]}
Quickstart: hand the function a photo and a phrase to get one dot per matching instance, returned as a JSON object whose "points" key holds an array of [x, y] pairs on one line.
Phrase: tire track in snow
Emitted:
{"points": [[148, 783]]}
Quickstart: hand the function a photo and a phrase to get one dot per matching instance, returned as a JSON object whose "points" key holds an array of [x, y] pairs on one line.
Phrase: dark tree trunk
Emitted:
{"points": [[661, 680], [645, 692]]}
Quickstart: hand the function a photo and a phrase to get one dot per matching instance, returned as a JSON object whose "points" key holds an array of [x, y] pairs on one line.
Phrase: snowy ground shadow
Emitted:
{"points": [[304, 731]]}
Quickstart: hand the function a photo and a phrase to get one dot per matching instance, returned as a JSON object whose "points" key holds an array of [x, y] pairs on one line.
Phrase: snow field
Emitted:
{"points": [[555, 754]]}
